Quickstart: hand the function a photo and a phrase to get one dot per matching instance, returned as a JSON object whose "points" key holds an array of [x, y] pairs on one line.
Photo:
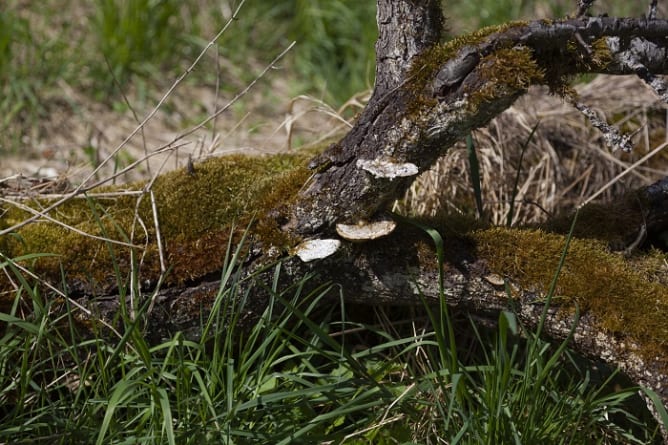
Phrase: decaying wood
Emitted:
{"points": [[393, 131], [402, 269], [420, 107]]}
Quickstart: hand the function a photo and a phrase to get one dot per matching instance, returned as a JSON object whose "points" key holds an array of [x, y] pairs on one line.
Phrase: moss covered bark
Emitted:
{"points": [[197, 213]]}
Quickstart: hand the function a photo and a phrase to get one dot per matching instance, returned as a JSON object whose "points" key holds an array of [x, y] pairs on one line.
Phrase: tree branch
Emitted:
{"points": [[406, 28], [428, 96], [403, 268], [414, 124]]}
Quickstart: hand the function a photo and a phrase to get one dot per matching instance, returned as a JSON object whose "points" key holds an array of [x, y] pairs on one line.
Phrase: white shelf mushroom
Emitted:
{"points": [[316, 249], [366, 231]]}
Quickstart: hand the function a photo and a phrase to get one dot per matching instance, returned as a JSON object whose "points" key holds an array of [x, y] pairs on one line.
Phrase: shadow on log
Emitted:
{"points": [[428, 95]]}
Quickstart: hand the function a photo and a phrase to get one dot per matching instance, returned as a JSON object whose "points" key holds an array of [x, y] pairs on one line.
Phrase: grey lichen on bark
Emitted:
{"points": [[405, 29]]}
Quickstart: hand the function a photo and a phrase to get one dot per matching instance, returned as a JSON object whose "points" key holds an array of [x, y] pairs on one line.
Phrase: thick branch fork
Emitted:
{"points": [[408, 122]]}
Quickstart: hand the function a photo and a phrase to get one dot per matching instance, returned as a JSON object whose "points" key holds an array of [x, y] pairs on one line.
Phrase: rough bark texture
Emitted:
{"points": [[405, 28], [397, 269], [423, 103], [416, 114], [413, 123]]}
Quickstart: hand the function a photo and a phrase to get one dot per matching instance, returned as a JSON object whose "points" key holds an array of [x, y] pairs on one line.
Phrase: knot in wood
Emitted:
{"points": [[455, 70]]}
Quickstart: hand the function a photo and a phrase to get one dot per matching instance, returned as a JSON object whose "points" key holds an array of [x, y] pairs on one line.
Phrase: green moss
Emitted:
{"points": [[196, 214], [506, 71], [426, 65], [622, 295], [601, 56]]}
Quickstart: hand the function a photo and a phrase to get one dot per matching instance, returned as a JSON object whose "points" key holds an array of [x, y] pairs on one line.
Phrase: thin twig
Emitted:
{"points": [[158, 236], [37, 214], [583, 7], [101, 195], [61, 294], [84, 184], [657, 84], [237, 96], [166, 148], [624, 173], [148, 187], [651, 13], [169, 92], [613, 138], [81, 189], [640, 238], [131, 108]]}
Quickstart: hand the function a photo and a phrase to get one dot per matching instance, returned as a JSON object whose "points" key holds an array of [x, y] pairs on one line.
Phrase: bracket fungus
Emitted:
{"points": [[366, 231], [316, 249]]}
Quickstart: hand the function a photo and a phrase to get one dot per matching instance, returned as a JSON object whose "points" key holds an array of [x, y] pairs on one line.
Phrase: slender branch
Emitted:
{"points": [[658, 85], [613, 138], [651, 13], [583, 7]]}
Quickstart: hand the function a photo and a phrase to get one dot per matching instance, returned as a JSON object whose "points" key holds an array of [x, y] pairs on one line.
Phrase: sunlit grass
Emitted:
{"points": [[302, 372]]}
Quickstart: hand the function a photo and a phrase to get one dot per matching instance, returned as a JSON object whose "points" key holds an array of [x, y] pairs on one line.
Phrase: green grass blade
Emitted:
{"points": [[166, 408], [474, 167], [658, 405], [513, 194], [553, 284], [122, 392]]}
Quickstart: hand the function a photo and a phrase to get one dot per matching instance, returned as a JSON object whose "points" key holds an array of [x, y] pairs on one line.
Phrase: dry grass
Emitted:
{"points": [[565, 162], [70, 143]]}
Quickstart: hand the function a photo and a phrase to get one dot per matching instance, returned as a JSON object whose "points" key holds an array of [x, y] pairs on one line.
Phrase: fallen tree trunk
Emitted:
{"points": [[623, 312], [428, 95]]}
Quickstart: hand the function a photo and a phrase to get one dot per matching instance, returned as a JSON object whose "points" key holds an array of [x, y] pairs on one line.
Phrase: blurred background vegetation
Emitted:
{"points": [[101, 48]]}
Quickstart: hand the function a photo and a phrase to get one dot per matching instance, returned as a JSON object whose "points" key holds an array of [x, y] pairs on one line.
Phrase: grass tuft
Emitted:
{"points": [[136, 37]]}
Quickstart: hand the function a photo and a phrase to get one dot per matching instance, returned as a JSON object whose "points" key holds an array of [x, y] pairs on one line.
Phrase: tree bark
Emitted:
{"points": [[428, 95], [406, 28], [402, 268], [411, 124]]}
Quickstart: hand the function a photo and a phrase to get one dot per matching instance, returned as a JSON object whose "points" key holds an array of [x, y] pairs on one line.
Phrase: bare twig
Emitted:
{"points": [[640, 238], [629, 169], [657, 84], [131, 108], [59, 293], [320, 107], [16, 196], [651, 13], [172, 145], [169, 92], [238, 96], [613, 138], [585, 47], [158, 236], [583, 7], [42, 214], [84, 184]]}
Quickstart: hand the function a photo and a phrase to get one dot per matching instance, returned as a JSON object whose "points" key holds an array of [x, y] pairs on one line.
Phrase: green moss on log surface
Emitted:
{"points": [[628, 297], [426, 65], [196, 214]]}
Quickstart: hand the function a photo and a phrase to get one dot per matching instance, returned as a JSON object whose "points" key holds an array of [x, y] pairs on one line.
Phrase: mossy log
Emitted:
{"points": [[174, 234]]}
